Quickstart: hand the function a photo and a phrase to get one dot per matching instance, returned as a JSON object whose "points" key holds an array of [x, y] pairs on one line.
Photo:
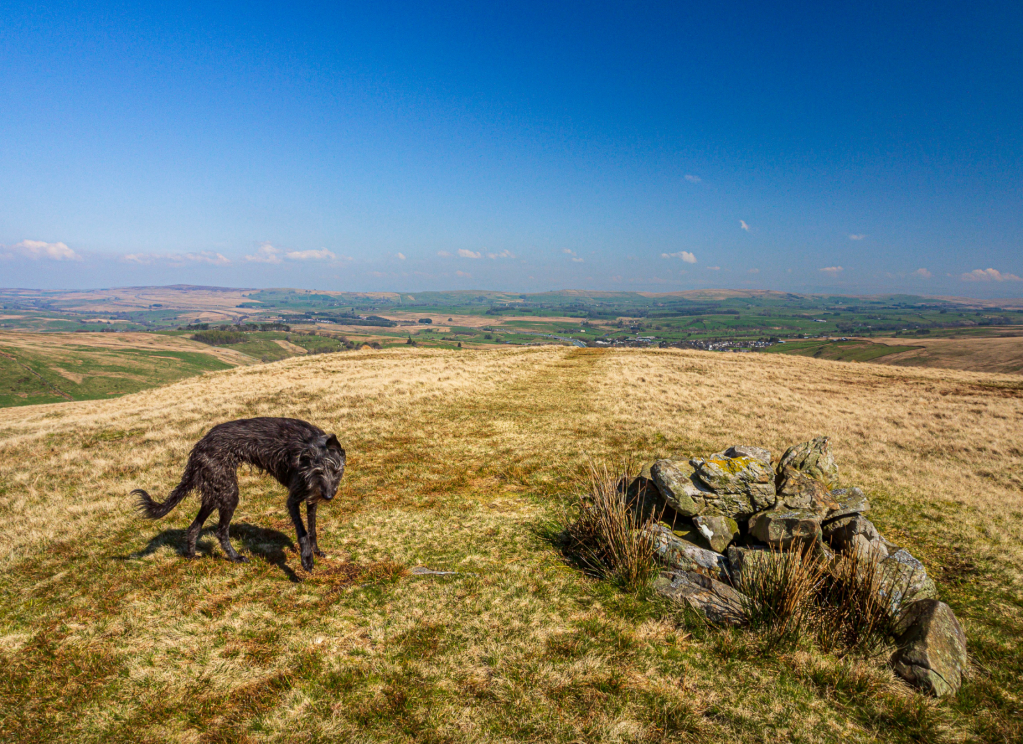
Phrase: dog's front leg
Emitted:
{"points": [[310, 509], [304, 544]]}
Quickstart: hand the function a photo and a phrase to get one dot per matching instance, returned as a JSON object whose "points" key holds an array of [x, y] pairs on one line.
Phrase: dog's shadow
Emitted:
{"points": [[265, 544]]}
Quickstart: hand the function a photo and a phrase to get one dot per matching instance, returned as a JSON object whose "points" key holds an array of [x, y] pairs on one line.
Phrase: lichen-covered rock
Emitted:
{"points": [[689, 495], [733, 474], [746, 450], [674, 480], [782, 528], [904, 579], [932, 647], [716, 601], [739, 486], [675, 552], [848, 501], [717, 531], [796, 490], [813, 458]]}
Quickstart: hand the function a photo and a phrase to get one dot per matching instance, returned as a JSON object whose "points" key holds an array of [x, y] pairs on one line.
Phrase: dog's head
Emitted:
{"points": [[322, 465]]}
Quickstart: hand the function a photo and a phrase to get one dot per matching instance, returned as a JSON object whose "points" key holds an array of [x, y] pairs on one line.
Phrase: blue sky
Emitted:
{"points": [[853, 148]]}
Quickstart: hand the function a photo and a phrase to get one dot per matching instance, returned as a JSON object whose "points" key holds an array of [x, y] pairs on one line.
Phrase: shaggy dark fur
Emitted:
{"points": [[305, 460]]}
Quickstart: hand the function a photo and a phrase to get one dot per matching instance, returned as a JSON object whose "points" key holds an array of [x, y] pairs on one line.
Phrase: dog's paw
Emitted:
{"points": [[319, 553], [306, 551], [240, 559]]}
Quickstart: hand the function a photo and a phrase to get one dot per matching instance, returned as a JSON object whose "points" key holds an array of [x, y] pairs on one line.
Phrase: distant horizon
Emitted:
{"points": [[211, 287]]}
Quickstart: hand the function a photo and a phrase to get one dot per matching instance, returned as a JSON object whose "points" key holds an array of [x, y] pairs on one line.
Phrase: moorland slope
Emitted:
{"points": [[467, 461]]}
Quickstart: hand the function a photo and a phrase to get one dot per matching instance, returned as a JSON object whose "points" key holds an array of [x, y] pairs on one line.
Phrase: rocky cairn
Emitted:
{"points": [[716, 517]]}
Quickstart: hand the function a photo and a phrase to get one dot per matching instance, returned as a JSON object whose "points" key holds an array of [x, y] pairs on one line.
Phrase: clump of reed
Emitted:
{"points": [[610, 537], [841, 603]]}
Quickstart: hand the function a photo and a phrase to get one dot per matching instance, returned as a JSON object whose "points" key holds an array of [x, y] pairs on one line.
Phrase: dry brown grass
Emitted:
{"points": [[1003, 354], [467, 461]]}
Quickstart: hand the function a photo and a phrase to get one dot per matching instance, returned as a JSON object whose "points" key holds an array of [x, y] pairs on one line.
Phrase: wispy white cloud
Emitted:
{"points": [[989, 275], [469, 254], [924, 273], [36, 249], [743, 225], [266, 253], [463, 274], [443, 254], [753, 271], [400, 256], [693, 179], [321, 255], [684, 255], [857, 237], [713, 268], [833, 270], [177, 259], [576, 259], [503, 254], [568, 251]]}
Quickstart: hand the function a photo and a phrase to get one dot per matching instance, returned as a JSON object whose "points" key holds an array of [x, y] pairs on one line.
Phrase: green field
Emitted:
{"points": [[86, 373], [693, 318]]}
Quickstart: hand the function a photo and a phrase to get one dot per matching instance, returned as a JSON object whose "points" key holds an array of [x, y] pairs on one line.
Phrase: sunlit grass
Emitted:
{"points": [[469, 461]]}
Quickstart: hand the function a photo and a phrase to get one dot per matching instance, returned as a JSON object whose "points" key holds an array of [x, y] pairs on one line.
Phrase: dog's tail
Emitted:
{"points": [[151, 509]]}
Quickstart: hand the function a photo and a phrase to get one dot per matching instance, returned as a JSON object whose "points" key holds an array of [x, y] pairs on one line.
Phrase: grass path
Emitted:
{"points": [[463, 462]]}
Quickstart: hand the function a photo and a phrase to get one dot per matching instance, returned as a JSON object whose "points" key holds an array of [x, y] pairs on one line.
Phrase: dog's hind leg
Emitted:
{"points": [[311, 513], [305, 547], [196, 527], [228, 503]]}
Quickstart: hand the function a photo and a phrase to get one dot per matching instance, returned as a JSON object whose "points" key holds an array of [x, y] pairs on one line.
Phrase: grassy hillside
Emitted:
{"points": [[857, 350], [53, 367], [467, 461]]}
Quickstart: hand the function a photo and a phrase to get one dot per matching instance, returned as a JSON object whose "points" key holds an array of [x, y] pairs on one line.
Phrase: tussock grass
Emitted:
{"points": [[799, 597], [457, 460], [852, 614], [608, 536], [779, 591]]}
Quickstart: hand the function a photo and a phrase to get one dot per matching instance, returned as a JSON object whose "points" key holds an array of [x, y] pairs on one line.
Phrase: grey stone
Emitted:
{"points": [[716, 601], [732, 474], [738, 486], [717, 531], [678, 553], [782, 528], [868, 551], [840, 532], [745, 450], [690, 496], [848, 501], [813, 458], [797, 490], [932, 647], [903, 579], [675, 483], [646, 500], [740, 561]]}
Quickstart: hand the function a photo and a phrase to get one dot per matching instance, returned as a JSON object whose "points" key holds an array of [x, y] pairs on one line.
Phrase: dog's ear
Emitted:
{"points": [[332, 443]]}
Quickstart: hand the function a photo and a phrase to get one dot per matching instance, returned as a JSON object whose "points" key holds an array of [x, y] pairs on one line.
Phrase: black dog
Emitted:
{"points": [[305, 460]]}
